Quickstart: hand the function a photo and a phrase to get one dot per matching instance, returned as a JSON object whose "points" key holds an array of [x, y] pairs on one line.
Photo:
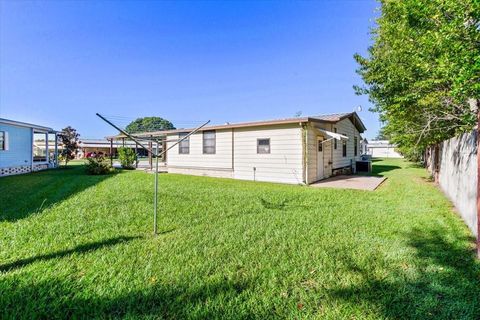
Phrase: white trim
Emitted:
{"points": [[24, 124], [200, 168], [32, 138], [333, 135]]}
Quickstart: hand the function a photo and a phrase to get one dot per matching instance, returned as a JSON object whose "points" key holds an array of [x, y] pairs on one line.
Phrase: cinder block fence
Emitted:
{"points": [[453, 164]]}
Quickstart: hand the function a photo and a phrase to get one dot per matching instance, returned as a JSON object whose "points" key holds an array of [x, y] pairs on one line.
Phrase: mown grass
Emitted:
{"points": [[79, 246]]}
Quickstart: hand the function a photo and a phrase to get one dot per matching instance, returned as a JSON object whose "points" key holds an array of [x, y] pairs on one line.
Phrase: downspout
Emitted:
{"points": [[56, 151], [331, 154], [233, 152], [47, 153], [305, 153], [31, 149]]}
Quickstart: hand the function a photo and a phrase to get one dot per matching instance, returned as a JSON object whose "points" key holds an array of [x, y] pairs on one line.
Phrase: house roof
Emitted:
{"points": [[25, 124], [102, 143], [326, 118]]}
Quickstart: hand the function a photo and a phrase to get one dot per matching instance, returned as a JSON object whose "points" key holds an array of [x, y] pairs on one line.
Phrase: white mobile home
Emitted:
{"points": [[382, 149], [297, 150], [26, 147]]}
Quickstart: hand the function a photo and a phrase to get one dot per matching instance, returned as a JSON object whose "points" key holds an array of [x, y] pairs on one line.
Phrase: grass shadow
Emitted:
{"points": [[283, 204], [416, 165], [27, 194], [61, 299], [443, 284], [84, 248], [280, 205], [380, 169]]}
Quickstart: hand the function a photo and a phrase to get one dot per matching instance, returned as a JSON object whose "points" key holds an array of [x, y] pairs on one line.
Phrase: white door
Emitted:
{"points": [[320, 167]]}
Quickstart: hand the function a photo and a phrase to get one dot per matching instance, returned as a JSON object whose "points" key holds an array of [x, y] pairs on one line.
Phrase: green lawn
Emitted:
{"points": [[79, 246]]}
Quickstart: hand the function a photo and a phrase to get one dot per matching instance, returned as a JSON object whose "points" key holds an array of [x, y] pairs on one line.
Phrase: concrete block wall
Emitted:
{"points": [[454, 167]]}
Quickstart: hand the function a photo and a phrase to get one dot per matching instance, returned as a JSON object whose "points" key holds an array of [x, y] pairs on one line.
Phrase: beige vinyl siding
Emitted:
{"points": [[208, 172], [196, 159], [236, 153], [313, 153], [346, 127], [282, 164], [327, 158]]}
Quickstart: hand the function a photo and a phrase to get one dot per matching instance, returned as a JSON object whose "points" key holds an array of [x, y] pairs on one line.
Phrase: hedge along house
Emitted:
{"points": [[26, 147], [297, 150]]}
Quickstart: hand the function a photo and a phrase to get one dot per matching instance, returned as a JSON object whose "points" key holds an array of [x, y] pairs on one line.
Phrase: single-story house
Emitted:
{"points": [[26, 147], [382, 149], [106, 147], [297, 150]]}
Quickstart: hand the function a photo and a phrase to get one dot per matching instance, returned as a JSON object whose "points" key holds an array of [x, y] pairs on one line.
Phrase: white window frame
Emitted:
{"points": [[344, 147], [181, 144], [269, 146], [214, 147], [4, 138], [355, 146]]}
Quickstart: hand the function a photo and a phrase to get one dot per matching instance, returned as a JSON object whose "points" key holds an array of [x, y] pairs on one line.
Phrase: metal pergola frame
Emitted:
{"points": [[157, 155]]}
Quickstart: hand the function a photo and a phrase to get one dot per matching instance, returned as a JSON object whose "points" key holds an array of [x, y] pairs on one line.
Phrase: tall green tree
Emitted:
{"points": [[422, 70], [69, 138], [147, 124], [382, 135]]}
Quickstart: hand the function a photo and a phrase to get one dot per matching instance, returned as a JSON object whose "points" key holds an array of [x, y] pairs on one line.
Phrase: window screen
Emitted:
{"points": [[40, 146], [335, 140], [355, 147], [344, 148], [263, 145], [209, 142], [2, 140], [183, 146]]}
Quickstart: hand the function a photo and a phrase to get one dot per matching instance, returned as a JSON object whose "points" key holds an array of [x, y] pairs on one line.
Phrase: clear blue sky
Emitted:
{"points": [[61, 61]]}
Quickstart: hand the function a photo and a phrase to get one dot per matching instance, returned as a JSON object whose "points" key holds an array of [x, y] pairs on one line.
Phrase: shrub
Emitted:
{"points": [[62, 157], [98, 165], [127, 157]]}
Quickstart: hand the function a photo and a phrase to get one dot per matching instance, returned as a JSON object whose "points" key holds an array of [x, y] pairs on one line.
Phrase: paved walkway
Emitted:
{"points": [[369, 183]]}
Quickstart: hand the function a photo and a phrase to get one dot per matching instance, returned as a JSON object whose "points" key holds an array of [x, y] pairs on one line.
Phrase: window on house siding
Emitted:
{"points": [[2, 140], [355, 148], [335, 140], [183, 146], [39, 146], [344, 148], [263, 145], [209, 142]]}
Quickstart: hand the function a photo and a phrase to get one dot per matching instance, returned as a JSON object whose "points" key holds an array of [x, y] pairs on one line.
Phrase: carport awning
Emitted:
{"points": [[333, 135]]}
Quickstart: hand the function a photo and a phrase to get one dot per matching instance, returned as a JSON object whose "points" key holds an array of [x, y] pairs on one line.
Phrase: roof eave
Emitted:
{"points": [[361, 127], [26, 125], [218, 127]]}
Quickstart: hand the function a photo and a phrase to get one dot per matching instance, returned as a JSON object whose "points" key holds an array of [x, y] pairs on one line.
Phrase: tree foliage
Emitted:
{"points": [[147, 124], [422, 69], [382, 135], [69, 138]]}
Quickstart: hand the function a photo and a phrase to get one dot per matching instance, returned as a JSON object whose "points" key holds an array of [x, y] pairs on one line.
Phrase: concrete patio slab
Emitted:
{"points": [[358, 182]]}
